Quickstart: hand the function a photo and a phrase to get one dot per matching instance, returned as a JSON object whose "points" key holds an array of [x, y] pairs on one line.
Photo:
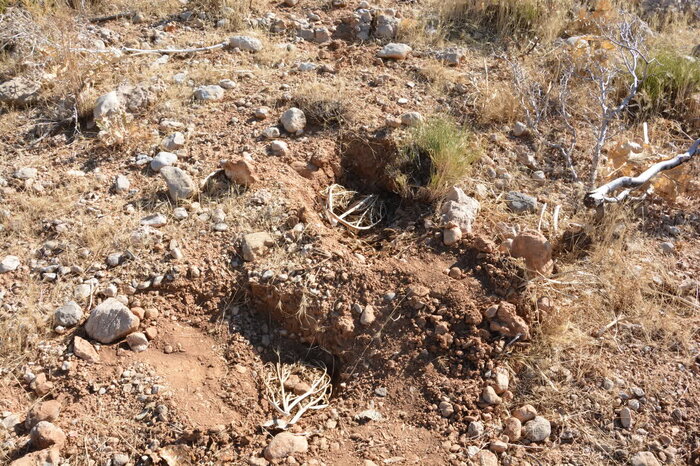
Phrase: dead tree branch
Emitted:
{"points": [[601, 195], [123, 50], [631, 61]]}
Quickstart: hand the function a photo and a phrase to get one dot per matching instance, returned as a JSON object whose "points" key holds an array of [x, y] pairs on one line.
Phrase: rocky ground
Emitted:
{"points": [[182, 282]]}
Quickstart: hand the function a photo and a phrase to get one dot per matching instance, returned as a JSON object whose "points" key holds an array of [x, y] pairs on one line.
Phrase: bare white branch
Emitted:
{"points": [[602, 195]]}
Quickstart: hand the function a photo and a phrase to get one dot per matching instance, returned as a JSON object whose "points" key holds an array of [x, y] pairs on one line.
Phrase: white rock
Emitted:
{"points": [[9, 264], [26, 173], [173, 142], [412, 119], [278, 148], [462, 213], [367, 317], [121, 184], [180, 213], [154, 220], [110, 291], [207, 93], [489, 396], [519, 129], [451, 236], [475, 429], [137, 342], [227, 84], [180, 184], [245, 43], [537, 430], [163, 159], [293, 120], [271, 133], [107, 105], [395, 51], [501, 380], [82, 291], [446, 409], [306, 66]]}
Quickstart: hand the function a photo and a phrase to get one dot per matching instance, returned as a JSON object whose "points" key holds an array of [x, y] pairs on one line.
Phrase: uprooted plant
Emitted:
{"points": [[294, 389]]}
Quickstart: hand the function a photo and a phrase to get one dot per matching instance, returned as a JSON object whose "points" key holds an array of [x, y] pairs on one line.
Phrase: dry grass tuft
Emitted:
{"points": [[501, 19], [324, 104], [614, 276], [498, 104]]}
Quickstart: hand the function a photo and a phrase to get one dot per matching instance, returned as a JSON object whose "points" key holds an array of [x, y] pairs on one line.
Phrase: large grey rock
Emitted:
{"points": [[206, 93], [110, 321], [412, 119], [293, 120], [520, 202], [26, 173], [460, 210], [68, 315], [245, 43], [19, 91], [395, 51], [180, 184]]}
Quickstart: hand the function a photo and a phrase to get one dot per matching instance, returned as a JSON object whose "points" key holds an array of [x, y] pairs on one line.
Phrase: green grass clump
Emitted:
{"points": [[434, 157], [672, 78]]}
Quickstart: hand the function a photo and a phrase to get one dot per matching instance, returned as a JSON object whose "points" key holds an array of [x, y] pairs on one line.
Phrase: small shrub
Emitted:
{"points": [[671, 80], [434, 157]]}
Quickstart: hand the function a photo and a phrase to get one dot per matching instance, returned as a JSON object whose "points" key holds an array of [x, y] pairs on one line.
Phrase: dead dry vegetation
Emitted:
{"points": [[338, 233]]}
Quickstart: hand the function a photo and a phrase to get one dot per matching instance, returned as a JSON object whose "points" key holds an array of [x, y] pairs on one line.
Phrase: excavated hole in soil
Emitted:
{"points": [[375, 165]]}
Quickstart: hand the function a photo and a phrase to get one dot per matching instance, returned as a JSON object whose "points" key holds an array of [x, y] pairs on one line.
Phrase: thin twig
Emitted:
{"points": [[102, 19], [599, 333]]}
